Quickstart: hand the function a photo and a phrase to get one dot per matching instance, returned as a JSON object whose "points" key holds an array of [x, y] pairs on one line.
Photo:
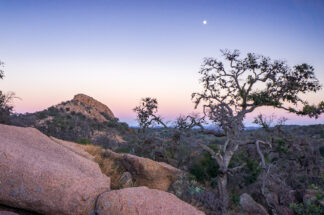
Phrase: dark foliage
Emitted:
{"points": [[146, 113], [5, 99]]}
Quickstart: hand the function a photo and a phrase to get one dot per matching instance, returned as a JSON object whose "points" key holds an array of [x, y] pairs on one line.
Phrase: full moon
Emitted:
{"points": [[205, 22]]}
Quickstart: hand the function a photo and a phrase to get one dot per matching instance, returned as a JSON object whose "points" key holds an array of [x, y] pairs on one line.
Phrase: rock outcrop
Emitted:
{"points": [[45, 175], [143, 201], [88, 107], [155, 175], [91, 102], [250, 206], [40, 175], [144, 171]]}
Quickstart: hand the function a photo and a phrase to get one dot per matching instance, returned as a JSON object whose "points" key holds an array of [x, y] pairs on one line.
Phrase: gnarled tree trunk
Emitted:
{"points": [[222, 189]]}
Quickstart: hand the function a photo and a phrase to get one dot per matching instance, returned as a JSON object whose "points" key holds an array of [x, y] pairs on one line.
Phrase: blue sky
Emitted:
{"points": [[121, 51]]}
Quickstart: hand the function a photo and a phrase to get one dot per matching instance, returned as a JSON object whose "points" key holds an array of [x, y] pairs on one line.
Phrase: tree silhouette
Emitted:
{"points": [[5, 99], [147, 113]]}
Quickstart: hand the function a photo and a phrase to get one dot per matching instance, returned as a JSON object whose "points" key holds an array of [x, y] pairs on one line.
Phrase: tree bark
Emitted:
{"points": [[222, 189]]}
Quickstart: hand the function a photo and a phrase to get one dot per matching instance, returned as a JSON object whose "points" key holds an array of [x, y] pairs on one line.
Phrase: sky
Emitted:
{"points": [[120, 51]]}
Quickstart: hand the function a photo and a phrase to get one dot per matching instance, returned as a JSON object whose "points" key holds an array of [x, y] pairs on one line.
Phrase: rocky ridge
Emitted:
{"points": [[82, 119], [89, 107]]}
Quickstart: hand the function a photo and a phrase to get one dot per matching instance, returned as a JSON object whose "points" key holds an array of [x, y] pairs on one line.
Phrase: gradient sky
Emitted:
{"points": [[120, 51]]}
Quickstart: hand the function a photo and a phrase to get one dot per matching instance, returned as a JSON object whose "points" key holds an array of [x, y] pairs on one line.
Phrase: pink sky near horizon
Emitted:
{"points": [[120, 52], [172, 84]]}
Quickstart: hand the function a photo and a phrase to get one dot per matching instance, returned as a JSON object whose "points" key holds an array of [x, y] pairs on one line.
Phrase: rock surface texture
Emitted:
{"points": [[250, 206], [7, 213], [40, 175], [91, 102], [146, 172], [142, 201], [87, 106], [77, 148]]}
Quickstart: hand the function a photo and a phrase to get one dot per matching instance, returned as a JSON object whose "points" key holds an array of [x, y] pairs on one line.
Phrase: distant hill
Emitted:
{"points": [[82, 119]]}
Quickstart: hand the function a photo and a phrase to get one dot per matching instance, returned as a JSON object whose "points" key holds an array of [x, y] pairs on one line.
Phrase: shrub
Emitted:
{"points": [[311, 206], [53, 111], [112, 123], [321, 149], [308, 208], [235, 198], [252, 169], [123, 126], [205, 168], [281, 146], [125, 149], [81, 116], [42, 115], [84, 141]]}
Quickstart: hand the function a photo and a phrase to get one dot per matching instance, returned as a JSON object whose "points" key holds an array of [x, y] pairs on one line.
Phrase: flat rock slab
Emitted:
{"points": [[40, 175], [142, 201]]}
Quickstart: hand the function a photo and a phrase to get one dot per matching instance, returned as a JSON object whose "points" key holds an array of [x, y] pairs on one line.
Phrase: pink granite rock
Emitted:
{"points": [[146, 172], [250, 206], [142, 201], [40, 175]]}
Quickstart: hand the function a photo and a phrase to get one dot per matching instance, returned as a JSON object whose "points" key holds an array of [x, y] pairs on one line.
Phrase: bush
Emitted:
{"points": [[252, 169], [123, 126], [42, 115], [308, 208], [321, 149], [84, 141], [281, 146], [205, 168], [235, 198], [311, 206], [111, 123], [125, 149], [53, 111]]}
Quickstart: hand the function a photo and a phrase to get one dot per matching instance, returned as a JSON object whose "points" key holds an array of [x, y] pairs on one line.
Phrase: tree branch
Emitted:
{"points": [[217, 156]]}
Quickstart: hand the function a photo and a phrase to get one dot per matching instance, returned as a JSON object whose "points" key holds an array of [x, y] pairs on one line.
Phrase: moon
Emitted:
{"points": [[205, 22]]}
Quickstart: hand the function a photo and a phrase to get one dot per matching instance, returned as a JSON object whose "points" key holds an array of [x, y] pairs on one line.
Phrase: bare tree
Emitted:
{"points": [[147, 113], [232, 90]]}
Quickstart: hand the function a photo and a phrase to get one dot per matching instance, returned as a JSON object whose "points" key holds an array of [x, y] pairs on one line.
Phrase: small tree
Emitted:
{"points": [[5, 99], [232, 90], [146, 113]]}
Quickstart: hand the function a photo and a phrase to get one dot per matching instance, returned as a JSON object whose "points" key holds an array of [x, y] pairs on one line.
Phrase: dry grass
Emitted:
{"points": [[110, 167]]}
